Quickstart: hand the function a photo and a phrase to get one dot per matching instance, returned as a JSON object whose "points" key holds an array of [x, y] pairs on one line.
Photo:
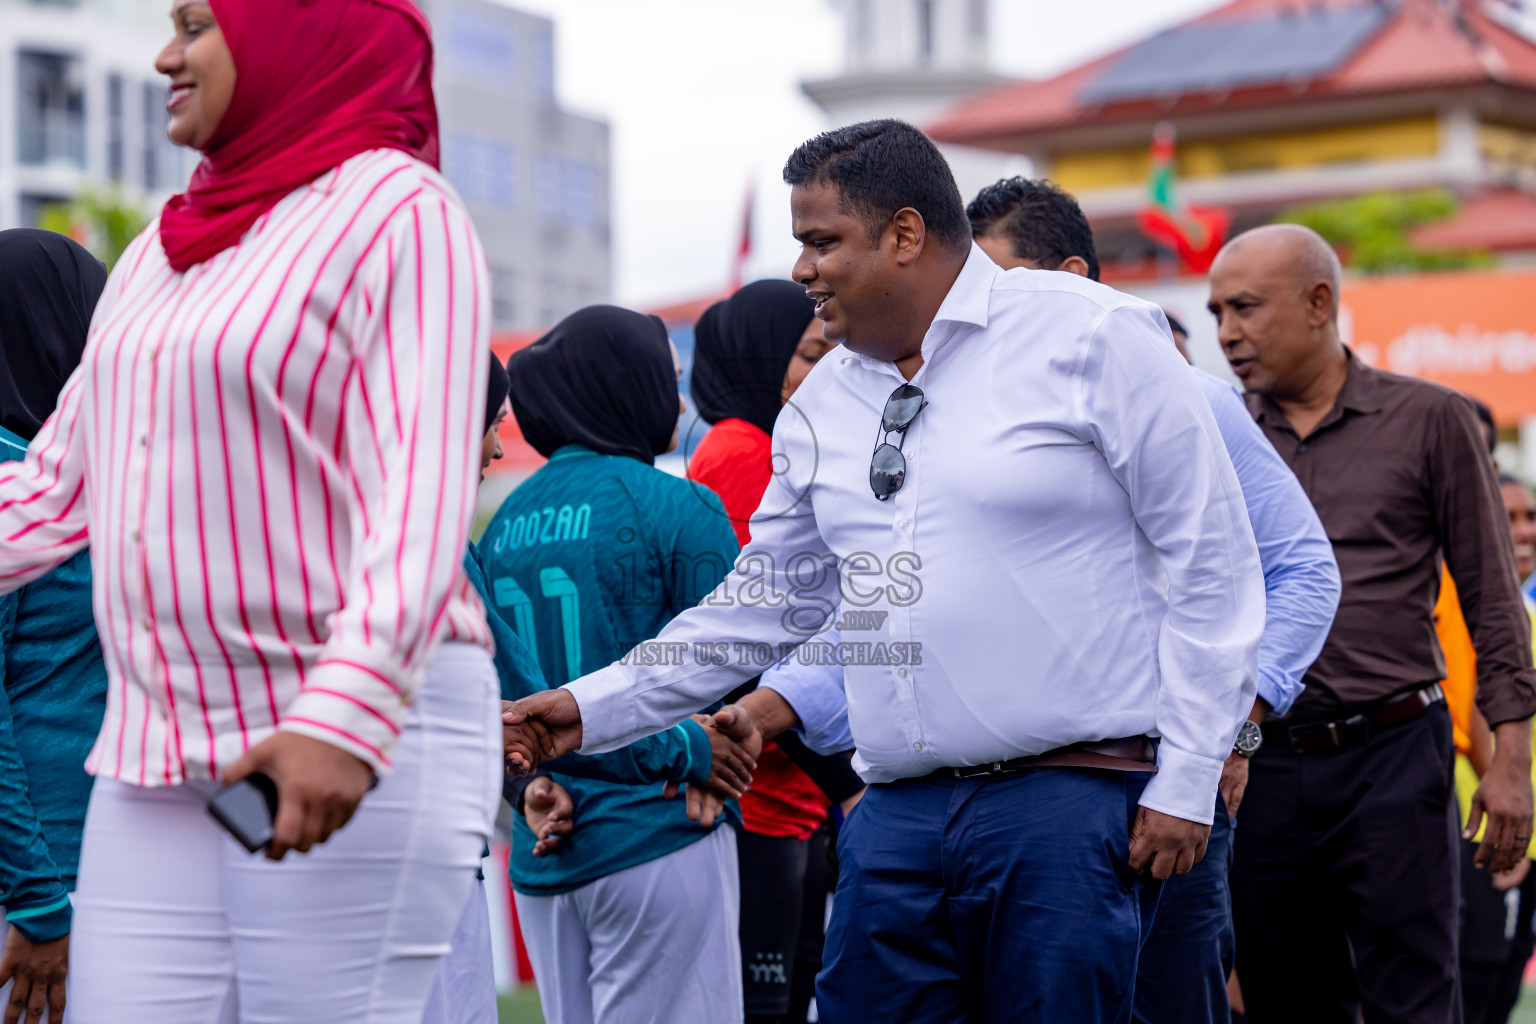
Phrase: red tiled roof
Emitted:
{"points": [[1418, 47], [686, 312], [1497, 221]]}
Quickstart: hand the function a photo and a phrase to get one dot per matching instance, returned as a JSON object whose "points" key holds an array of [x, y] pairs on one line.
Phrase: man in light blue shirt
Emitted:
{"points": [[1182, 976], [1018, 485]]}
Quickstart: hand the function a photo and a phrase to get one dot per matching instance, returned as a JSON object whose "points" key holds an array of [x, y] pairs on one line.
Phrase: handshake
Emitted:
{"points": [[548, 724]]}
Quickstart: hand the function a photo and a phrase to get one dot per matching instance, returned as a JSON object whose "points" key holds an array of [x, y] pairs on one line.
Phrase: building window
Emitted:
{"points": [[978, 19], [580, 198], [925, 30], [483, 170], [154, 130], [30, 207], [548, 199], [503, 297], [479, 47], [116, 127], [541, 63], [551, 302], [166, 166], [51, 114]]}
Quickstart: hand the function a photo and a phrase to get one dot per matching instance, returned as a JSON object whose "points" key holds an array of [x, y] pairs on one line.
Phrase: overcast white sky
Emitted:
{"points": [[703, 96]]}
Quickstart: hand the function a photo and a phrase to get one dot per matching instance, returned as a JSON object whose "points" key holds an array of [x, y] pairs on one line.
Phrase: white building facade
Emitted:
{"points": [[81, 105], [914, 60], [534, 176], [82, 108]]}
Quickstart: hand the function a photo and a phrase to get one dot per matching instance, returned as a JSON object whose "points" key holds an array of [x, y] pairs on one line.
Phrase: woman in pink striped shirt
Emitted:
{"points": [[271, 447]]}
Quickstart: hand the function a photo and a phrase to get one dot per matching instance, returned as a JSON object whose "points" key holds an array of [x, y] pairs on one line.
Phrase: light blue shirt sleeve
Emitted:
{"points": [[815, 691], [1301, 577]]}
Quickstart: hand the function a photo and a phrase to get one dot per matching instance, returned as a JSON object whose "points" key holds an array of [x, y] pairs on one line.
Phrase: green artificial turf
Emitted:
{"points": [[521, 1007]]}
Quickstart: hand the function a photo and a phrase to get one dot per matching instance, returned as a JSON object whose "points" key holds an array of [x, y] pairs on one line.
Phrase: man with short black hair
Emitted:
{"points": [[1018, 484], [1182, 975], [1032, 219]]}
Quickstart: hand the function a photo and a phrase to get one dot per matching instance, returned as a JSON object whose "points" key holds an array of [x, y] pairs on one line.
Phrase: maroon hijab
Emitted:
{"points": [[319, 81]]}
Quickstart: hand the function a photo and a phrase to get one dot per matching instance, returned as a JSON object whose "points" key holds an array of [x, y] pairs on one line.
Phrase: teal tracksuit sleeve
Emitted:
{"points": [[32, 888], [683, 755], [680, 754]]}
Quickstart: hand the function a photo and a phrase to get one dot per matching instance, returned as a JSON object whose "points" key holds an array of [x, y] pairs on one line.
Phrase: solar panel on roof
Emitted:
{"points": [[1232, 54]]}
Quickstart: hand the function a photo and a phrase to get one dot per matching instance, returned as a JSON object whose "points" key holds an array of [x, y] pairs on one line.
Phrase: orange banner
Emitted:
{"points": [[1472, 331]]}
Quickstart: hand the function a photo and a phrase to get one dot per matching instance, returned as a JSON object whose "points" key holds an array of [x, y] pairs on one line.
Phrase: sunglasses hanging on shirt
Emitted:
{"points": [[888, 467]]}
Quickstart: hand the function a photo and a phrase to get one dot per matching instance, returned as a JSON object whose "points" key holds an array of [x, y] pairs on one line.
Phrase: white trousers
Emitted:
{"points": [[464, 991], [176, 924], [657, 942]]}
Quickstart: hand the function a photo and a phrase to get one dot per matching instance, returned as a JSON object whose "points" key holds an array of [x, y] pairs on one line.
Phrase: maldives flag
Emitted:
{"points": [[744, 250], [1195, 233]]}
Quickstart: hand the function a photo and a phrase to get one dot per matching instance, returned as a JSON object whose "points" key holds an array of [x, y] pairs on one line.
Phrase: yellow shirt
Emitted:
{"points": [[1460, 683], [1466, 777]]}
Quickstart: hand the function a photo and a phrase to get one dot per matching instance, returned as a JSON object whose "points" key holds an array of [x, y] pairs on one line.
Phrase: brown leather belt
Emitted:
{"points": [[1131, 754], [1321, 737]]}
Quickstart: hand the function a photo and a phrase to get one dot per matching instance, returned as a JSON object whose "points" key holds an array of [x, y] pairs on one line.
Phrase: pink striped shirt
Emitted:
{"points": [[273, 458]]}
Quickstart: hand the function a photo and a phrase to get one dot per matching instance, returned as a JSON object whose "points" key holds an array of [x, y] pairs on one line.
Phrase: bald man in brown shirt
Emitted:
{"points": [[1345, 881]]}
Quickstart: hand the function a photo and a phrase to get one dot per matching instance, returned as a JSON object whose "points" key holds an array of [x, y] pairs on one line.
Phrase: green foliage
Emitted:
{"points": [[105, 224], [1372, 232]]}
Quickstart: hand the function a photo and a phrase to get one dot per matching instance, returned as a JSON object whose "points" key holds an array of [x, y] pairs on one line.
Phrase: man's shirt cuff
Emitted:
{"points": [[823, 715], [1184, 786], [1278, 689], [607, 703]]}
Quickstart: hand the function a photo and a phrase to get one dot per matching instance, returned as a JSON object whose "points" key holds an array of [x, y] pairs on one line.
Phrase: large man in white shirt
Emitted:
{"points": [[1019, 482]]}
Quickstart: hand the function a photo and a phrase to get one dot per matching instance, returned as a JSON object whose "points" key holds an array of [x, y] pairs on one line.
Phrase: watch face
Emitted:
{"points": [[1249, 739]]}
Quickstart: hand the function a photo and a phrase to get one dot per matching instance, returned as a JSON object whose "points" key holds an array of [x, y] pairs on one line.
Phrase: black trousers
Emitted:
{"points": [[772, 904], [1345, 882], [784, 888], [1496, 942]]}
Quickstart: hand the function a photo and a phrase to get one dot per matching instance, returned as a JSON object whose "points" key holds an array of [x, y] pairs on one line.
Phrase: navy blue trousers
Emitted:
{"points": [[995, 900], [1182, 975]]}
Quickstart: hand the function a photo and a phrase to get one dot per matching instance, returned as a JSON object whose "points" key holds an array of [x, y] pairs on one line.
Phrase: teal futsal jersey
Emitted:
{"points": [[53, 694], [588, 557]]}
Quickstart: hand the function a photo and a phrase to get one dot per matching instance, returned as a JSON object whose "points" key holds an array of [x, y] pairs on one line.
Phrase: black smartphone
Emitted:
{"points": [[246, 810]]}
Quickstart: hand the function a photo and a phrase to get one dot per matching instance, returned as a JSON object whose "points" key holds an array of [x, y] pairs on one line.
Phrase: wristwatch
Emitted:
{"points": [[1249, 738]]}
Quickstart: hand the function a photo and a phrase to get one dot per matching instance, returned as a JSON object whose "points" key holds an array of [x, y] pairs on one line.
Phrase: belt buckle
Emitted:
{"points": [[976, 771], [1297, 735], [1294, 735]]}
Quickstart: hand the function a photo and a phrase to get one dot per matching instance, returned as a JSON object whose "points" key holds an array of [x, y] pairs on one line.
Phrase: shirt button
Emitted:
{"points": [[903, 525], [143, 440], [909, 454], [1301, 448], [918, 746], [902, 672]]}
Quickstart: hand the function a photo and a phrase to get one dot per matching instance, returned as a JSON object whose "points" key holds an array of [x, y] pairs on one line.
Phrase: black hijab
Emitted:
{"points": [[49, 285], [602, 378], [497, 384], [741, 351]]}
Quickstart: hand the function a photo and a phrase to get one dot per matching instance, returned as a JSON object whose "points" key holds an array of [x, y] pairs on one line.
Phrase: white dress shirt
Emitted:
{"points": [[273, 457], [1301, 585], [1070, 550]]}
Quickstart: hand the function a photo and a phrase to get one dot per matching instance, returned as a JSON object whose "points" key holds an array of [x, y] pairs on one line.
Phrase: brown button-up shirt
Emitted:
{"points": [[1399, 473]]}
